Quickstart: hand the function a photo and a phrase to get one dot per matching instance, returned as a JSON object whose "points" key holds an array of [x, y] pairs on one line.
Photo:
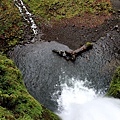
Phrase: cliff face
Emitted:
{"points": [[15, 101]]}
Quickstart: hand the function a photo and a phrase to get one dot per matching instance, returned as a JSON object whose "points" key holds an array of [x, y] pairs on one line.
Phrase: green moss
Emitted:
{"points": [[11, 24], [114, 89], [89, 44], [15, 101], [6, 114], [58, 9]]}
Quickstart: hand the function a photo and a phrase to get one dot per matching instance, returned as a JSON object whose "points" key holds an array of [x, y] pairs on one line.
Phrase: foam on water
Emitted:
{"points": [[78, 102]]}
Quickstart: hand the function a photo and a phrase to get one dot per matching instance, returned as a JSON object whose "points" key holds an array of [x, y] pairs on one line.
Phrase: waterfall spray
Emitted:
{"points": [[78, 102]]}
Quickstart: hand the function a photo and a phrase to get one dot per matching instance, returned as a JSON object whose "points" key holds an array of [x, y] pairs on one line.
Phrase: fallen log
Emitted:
{"points": [[71, 55]]}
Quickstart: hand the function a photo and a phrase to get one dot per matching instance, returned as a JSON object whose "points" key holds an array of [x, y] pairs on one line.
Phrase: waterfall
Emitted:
{"points": [[26, 15], [78, 102]]}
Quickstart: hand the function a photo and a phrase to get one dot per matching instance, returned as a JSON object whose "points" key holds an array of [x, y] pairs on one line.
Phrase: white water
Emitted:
{"points": [[78, 102], [26, 15]]}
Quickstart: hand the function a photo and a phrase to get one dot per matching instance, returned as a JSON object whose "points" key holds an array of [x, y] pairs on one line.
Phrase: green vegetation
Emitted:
{"points": [[89, 44], [58, 9], [15, 102], [11, 24], [114, 89]]}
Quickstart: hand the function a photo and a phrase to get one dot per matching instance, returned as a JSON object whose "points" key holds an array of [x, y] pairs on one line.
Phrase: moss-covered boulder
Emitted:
{"points": [[15, 102], [114, 89]]}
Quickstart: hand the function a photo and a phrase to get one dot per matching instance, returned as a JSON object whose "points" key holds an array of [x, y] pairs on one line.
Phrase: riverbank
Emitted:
{"points": [[71, 29], [76, 31]]}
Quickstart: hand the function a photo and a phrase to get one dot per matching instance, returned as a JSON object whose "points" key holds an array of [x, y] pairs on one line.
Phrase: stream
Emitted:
{"points": [[26, 15], [73, 90]]}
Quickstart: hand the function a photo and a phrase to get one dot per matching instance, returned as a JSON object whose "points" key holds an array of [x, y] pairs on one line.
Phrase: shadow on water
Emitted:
{"points": [[43, 71]]}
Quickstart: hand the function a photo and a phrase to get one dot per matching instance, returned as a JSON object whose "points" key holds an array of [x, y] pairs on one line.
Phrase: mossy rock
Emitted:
{"points": [[15, 102], [114, 89], [89, 44]]}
